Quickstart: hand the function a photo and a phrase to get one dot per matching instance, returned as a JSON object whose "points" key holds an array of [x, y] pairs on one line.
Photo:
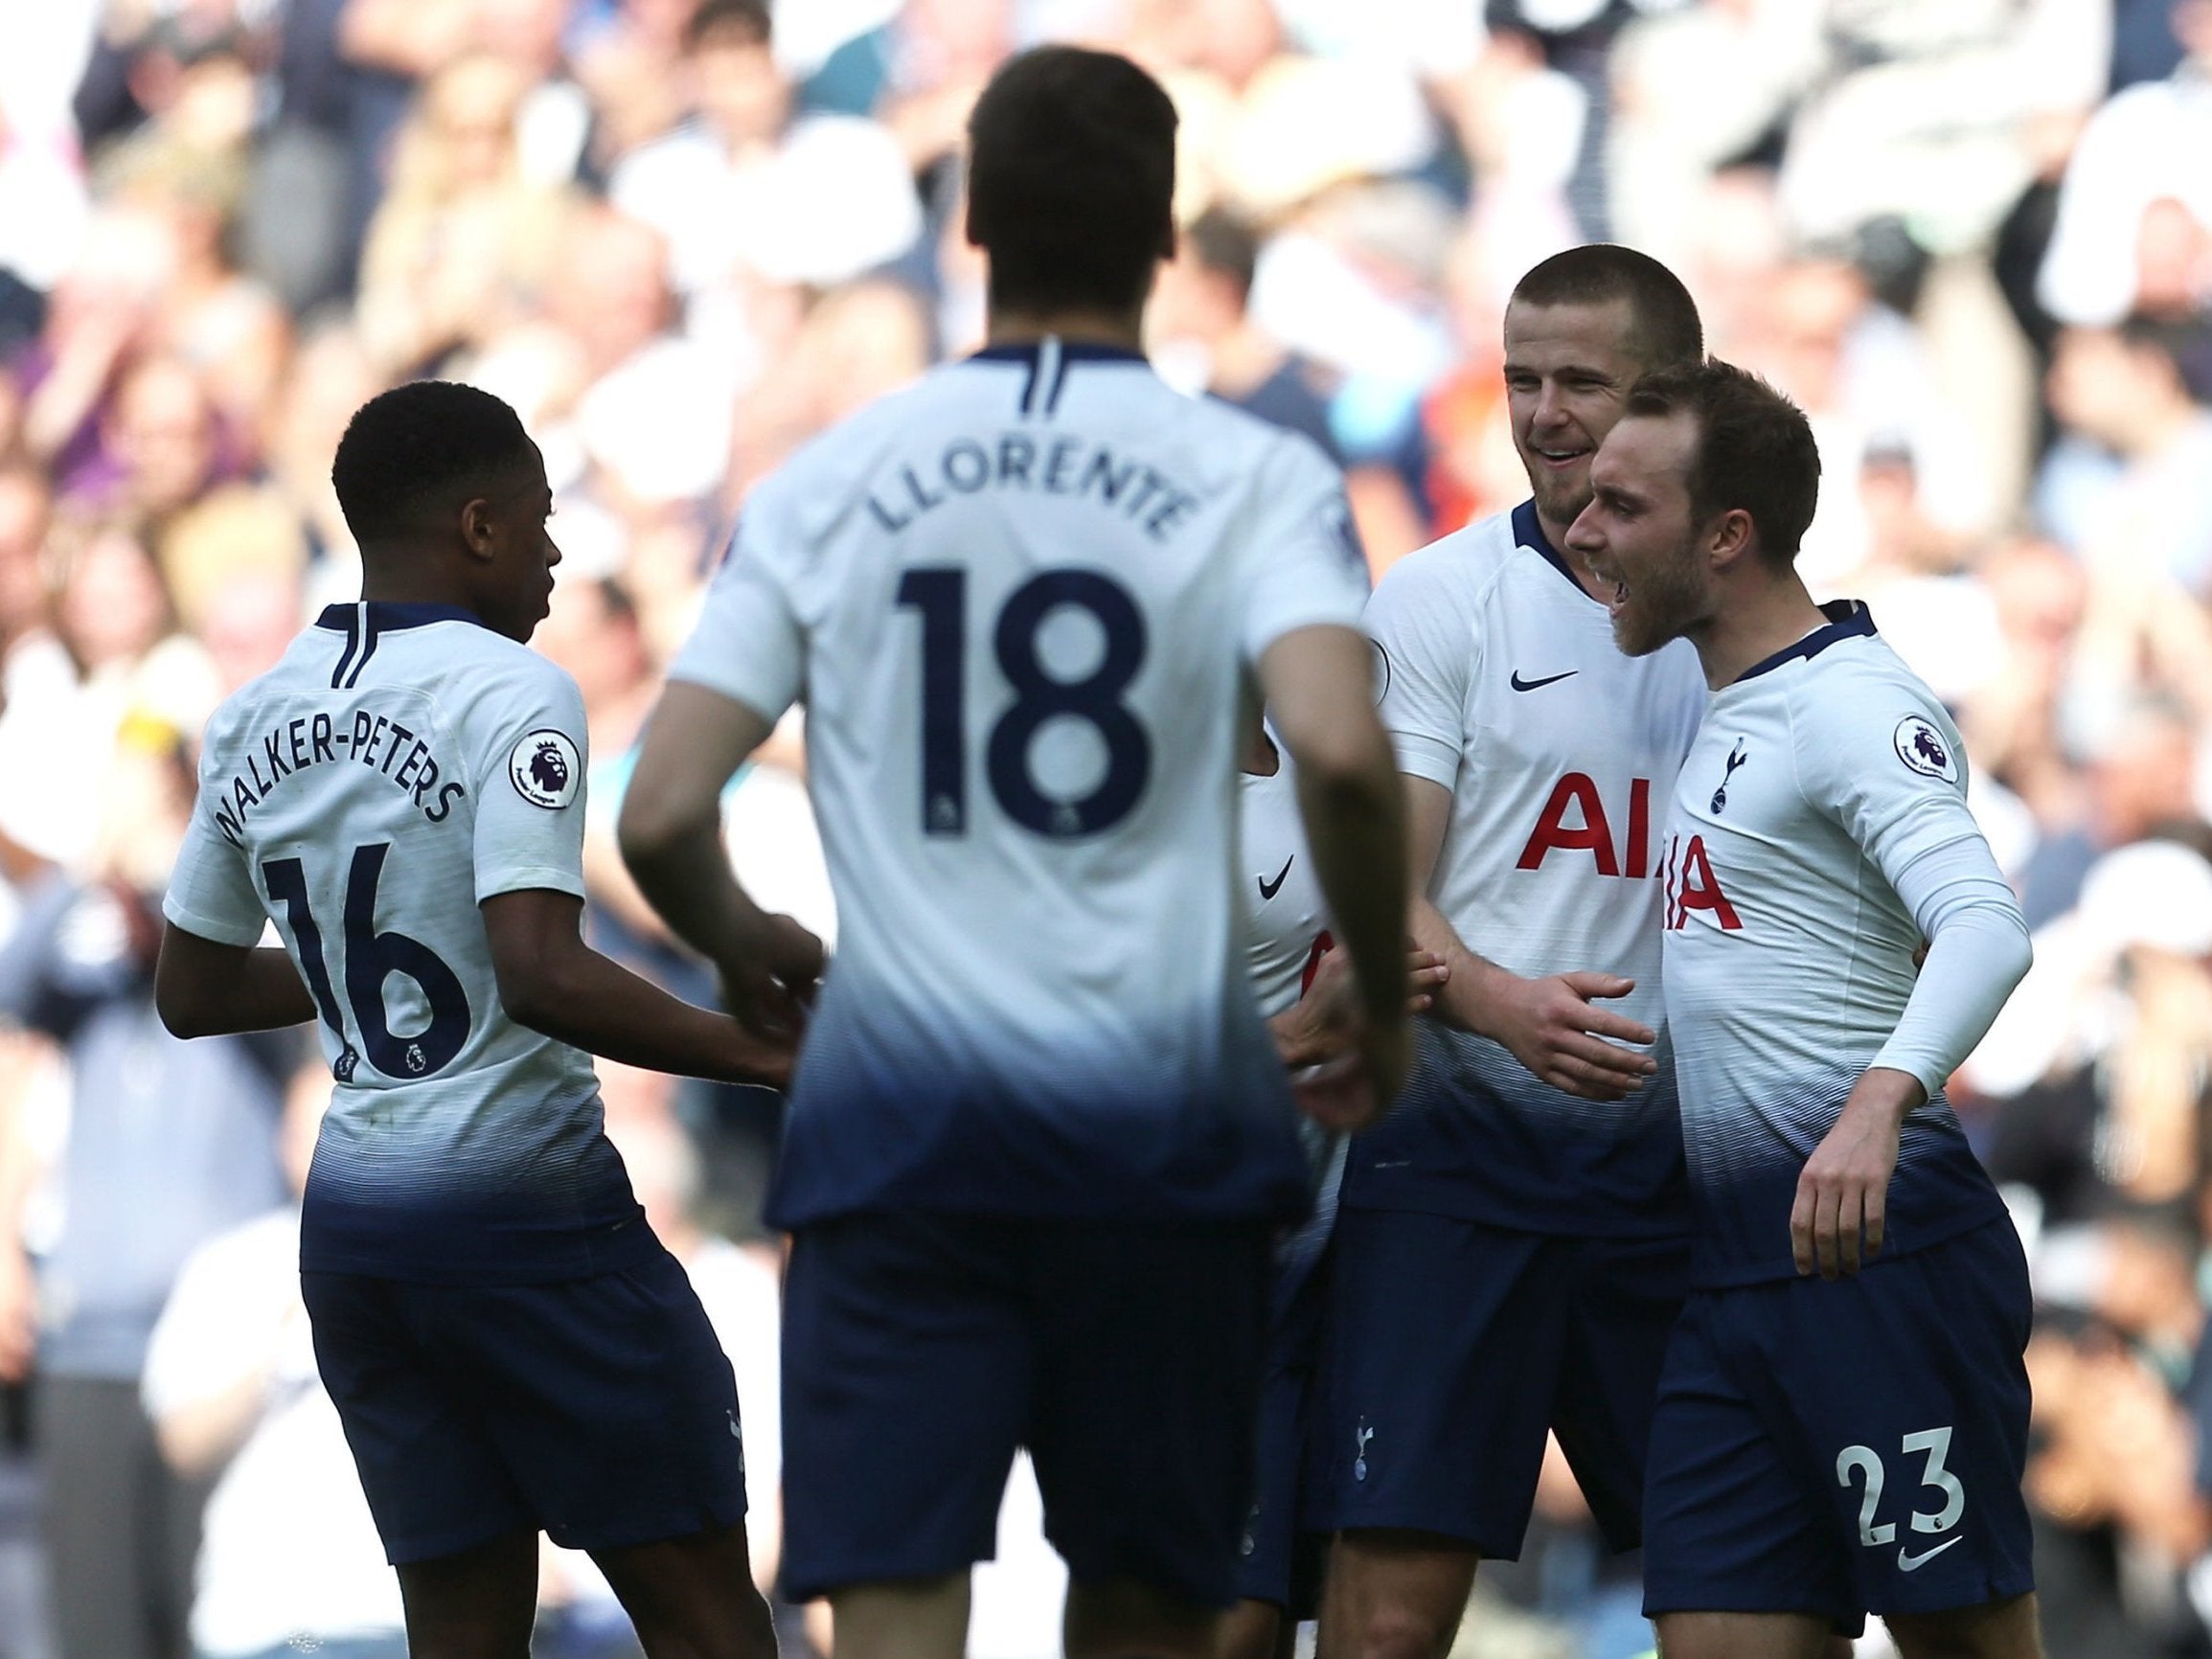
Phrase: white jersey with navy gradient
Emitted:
{"points": [[1827, 780], [1021, 601], [400, 765], [1503, 686]]}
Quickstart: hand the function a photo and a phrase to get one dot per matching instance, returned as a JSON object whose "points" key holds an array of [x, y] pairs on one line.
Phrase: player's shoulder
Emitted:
{"points": [[1856, 698], [1461, 569]]}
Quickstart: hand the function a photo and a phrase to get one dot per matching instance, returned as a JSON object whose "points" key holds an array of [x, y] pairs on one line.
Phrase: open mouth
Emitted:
{"points": [[1560, 457]]}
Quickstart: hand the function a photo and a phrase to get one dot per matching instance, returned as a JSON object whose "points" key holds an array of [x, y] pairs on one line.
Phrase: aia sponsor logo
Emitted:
{"points": [[1575, 820], [1691, 885]]}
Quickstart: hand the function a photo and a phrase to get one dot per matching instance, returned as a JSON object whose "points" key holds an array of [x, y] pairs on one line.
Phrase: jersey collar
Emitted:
{"points": [[1528, 531], [383, 615], [1847, 619], [1069, 350]]}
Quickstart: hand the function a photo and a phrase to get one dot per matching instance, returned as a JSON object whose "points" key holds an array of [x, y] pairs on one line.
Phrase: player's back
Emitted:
{"points": [[399, 765], [1026, 594]]}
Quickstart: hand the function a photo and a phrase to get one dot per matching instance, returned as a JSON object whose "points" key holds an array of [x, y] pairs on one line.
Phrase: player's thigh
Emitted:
{"points": [[2007, 1629], [1620, 1319], [1743, 1636], [435, 1479], [1394, 1594], [1441, 1360], [692, 1597], [474, 1603], [907, 1360], [1151, 1338], [1732, 1522], [1124, 1618], [1909, 1390], [611, 1401]]}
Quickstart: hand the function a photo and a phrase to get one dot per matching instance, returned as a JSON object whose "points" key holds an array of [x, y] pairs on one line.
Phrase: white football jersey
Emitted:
{"points": [[1503, 685], [1820, 775], [401, 764], [1021, 601], [1286, 932]]}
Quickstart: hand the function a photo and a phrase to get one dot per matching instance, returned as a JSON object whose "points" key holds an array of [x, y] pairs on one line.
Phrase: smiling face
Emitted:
{"points": [[1567, 368], [1640, 535], [511, 570]]}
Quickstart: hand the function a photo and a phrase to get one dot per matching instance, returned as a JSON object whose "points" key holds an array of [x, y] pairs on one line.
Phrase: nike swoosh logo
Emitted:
{"points": [[1269, 889], [1521, 685], [1907, 1562]]}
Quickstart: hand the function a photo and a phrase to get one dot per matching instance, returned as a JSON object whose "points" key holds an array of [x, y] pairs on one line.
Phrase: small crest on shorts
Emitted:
{"points": [[1925, 749], [545, 769]]}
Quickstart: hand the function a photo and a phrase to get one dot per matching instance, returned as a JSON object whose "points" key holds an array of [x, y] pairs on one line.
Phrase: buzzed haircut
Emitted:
{"points": [[1224, 242], [1754, 450], [1666, 329], [420, 448], [1071, 180], [728, 22]]}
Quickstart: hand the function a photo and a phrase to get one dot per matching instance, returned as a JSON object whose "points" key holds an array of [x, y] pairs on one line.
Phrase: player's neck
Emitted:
{"points": [[1008, 327], [1767, 615], [415, 585]]}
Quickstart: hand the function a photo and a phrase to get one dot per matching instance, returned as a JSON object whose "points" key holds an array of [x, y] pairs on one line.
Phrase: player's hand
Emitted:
{"points": [[1353, 1090], [770, 986], [1324, 1023], [749, 1057], [1838, 1223], [1553, 1027]]}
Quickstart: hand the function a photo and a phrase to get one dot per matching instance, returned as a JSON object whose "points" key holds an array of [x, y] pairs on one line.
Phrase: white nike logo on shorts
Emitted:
{"points": [[1907, 1562]]}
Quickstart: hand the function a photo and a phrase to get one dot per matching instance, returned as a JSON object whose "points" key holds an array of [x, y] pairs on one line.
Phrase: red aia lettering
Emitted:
{"points": [[1692, 885], [1322, 944], [1594, 833]]}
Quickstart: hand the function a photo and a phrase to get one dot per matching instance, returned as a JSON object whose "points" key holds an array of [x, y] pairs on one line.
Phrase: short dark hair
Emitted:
{"points": [[1666, 325], [419, 447], [1224, 242], [1072, 179], [1755, 448], [747, 22]]}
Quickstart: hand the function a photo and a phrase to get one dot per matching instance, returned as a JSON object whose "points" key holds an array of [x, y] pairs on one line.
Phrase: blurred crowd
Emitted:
{"points": [[1971, 237]]}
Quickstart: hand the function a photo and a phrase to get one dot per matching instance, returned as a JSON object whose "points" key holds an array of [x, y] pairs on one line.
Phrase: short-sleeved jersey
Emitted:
{"points": [[1504, 686], [1819, 775], [1021, 601], [400, 765], [1286, 932]]}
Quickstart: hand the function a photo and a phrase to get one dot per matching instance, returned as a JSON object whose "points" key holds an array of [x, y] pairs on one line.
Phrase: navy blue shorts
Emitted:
{"points": [[1452, 1348], [599, 1410], [1849, 1446], [1282, 1558], [920, 1349]]}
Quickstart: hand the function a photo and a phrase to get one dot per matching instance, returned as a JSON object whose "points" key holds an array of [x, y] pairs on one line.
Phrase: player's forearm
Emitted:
{"points": [[1461, 999], [685, 877], [589, 1002], [202, 989], [1978, 952], [1354, 826]]}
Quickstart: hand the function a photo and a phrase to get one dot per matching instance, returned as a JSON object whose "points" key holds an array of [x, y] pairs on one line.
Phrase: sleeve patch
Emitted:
{"points": [[545, 769], [1925, 749]]}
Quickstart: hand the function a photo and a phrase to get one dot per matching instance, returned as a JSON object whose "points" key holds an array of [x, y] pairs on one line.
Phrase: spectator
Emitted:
{"points": [[289, 1562], [738, 189], [168, 1143]]}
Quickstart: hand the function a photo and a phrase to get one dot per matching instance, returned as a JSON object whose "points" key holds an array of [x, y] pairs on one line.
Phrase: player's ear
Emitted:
{"points": [[477, 527], [1733, 537]]}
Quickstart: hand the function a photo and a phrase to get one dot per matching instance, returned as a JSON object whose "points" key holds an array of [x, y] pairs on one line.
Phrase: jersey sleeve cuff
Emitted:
{"points": [[490, 884], [764, 701], [204, 926], [1425, 756]]}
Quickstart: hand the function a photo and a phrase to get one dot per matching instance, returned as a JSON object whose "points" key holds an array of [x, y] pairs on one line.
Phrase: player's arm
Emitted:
{"points": [[204, 988], [670, 832], [1314, 682], [1324, 1024], [1916, 829], [554, 983]]}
